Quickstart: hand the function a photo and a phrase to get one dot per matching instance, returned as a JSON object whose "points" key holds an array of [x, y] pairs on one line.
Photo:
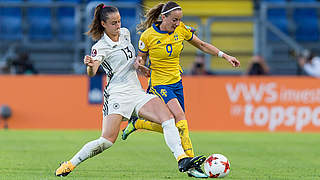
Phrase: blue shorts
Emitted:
{"points": [[168, 92]]}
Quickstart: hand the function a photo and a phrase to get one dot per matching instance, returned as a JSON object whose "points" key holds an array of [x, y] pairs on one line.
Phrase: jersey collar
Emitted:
{"points": [[110, 42], [155, 27]]}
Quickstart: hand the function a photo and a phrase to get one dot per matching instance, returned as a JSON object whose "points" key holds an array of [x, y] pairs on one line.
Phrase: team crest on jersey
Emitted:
{"points": [[163, 92], [141, 45], [93, 52], [176, 37], [116, 106]]}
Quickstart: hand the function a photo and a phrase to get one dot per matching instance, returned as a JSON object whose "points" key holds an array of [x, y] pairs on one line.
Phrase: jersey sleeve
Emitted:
{"points": [[143, 43], [97, 53], [187, 31]]}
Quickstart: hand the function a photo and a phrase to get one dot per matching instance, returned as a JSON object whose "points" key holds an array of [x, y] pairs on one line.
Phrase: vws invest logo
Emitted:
{"points": [[273, 105]]}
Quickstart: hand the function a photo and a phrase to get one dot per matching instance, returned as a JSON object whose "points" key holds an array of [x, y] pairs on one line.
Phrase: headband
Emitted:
{"points": [[178, 7]]}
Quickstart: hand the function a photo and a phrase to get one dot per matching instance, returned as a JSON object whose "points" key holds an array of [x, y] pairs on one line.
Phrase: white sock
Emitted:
{"points": [[172, 138], [91, 149]]}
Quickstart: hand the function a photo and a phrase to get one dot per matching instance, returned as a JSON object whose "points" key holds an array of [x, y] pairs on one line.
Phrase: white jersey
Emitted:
{"points": [[123, 94], [117, 60]]}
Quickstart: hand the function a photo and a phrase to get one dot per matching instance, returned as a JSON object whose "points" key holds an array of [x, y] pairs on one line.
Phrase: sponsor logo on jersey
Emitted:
{"points": [[158, 42]]}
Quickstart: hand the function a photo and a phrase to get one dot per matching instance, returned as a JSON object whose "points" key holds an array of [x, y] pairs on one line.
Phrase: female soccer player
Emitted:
{"points": [[123, 95], [162, 41]]}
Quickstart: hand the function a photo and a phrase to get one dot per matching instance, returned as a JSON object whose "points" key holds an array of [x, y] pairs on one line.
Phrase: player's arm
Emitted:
{"points": [[211, 49], [92, 65], [140, 62]]}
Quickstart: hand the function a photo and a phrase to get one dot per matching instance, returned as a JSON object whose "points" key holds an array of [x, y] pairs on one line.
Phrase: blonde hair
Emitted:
{"points": [[153, 14]]}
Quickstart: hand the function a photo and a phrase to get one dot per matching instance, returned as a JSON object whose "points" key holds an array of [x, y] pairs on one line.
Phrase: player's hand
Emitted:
{"points": [[136, 64], [232, 60], [88, 61], [144, 70], [141, 68]]}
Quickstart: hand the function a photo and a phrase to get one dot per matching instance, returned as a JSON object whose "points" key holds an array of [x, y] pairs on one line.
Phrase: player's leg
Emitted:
{"points": [[136, 123], [172, 95], [165, 93], [155, 110], [110, 130], [176, 106], [182, 126]]}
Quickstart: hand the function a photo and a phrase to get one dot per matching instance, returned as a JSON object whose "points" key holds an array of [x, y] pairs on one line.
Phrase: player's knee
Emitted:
{"points": [[110, 136], [164, 118], [179, 116], [171, 116], [104, 143], [163, 114]]}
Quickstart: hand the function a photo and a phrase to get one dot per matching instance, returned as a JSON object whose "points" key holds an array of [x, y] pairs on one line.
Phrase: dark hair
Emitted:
{"points": [[101, 13], [199, 65], [257, 69], [153, 14]]}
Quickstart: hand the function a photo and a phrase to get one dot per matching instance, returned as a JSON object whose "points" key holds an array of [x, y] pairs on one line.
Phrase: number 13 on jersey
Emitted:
{"points": [[169, 49]]}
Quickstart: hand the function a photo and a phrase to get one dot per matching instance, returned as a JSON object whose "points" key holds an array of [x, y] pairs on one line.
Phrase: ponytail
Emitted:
{"points": [[101, 12], [153, 14], [151, 17]]}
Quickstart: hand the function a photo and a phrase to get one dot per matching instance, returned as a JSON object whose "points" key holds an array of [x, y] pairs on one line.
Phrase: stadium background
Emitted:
{"points": [[52, 33], [268, 126]]}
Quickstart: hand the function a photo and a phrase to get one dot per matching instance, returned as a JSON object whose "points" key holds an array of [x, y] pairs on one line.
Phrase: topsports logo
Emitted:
{"points": [[272, 105]]}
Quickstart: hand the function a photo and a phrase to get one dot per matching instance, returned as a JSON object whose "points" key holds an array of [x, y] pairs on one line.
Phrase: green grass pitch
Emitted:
{"points": [[35, 154]]}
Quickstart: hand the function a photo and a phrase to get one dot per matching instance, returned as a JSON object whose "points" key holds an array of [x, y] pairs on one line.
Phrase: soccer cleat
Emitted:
{"points": [[64, 169], [130, 128], [197, 172], [187, 163]]}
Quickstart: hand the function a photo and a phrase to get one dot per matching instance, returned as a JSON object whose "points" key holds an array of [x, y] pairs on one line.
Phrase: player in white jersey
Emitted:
{"points": [[123, 96]]}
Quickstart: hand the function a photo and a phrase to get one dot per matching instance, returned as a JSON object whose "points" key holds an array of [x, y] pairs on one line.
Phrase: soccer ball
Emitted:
{"points": [[217, 166]]}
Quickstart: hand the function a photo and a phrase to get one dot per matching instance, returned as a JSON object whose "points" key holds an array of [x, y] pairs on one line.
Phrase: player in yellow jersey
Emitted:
{"points": [[162, 41]]}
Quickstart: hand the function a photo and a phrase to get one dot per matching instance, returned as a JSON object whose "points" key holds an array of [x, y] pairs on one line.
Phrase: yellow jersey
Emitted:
{"points": [[164, 52]]}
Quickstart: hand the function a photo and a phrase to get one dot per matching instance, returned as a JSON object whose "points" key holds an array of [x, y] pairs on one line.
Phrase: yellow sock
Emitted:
{"points": [[183, 131], [182, 126], [143, 124]]}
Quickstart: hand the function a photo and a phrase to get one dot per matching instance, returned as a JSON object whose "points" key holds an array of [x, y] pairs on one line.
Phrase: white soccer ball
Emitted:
{"points": [[217, 166]]}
